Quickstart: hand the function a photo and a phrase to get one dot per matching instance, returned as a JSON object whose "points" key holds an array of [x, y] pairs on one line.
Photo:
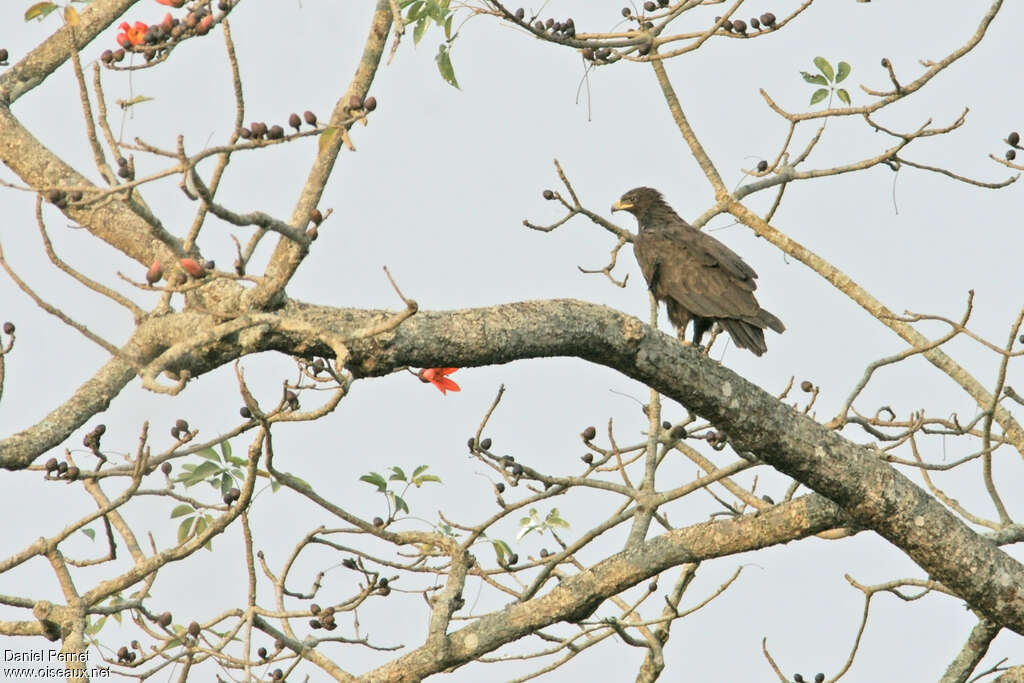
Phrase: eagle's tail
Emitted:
{"points": [[745, 335], [768, 320], [749, 334]]}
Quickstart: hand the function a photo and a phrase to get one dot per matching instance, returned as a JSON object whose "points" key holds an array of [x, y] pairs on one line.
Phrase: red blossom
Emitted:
{"points": [[437, 377], [172, 3], [132, 35]]}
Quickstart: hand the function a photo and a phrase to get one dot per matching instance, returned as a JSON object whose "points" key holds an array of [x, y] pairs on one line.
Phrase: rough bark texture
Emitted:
{"points": [[870, 491]]}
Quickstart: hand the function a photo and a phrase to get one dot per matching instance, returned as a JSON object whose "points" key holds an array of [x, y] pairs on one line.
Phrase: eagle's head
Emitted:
{"points": [[638, 201]]}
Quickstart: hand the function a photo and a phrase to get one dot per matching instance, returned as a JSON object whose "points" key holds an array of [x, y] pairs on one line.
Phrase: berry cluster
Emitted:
{"points": [[764, 23], [1013, 140], [126, 656], [155, 40], [557, 29], [62, 469], [324, 618], [258, 130], [60, 198]]}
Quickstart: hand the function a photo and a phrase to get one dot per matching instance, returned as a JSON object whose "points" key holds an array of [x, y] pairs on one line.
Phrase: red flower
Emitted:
{"points": [[437, 377], [132, 35], [172, 3]]}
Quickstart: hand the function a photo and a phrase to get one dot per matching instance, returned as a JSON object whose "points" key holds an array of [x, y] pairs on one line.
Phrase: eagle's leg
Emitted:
{"points": [[700, 326]]}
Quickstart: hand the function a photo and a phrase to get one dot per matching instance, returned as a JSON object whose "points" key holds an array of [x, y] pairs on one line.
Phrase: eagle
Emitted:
{"points": [[697, 277]]}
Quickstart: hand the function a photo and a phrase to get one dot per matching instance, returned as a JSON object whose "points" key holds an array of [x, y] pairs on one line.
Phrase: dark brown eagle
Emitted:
{"points": [[697, 277]]}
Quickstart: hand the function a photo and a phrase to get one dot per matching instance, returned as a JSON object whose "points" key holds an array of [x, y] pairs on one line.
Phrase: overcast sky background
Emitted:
{"points": [[437, 191]]}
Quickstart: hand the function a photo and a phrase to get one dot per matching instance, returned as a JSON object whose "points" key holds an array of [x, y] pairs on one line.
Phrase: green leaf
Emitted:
{"points": [[420, 30], [420, 470], [184, 528], [435, 11], [95, 627], [816, 79], [415, 8], [400, 505], [39, 10], [209, 454], [444, 64], [844, 96], [205, 469], [819, 95], [181, 510], [448, 27], [824, 67], [420, 481], [225, 483], [397, 474], [225, 448], [843, 72], [501, 549], [375, 479], [91, 533]]}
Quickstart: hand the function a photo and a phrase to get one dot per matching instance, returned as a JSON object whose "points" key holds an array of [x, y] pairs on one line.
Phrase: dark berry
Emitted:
{"points": [[663, 3], [315, 623], [768, 19], [3, 55], [135, 645], [549, 23], [122, 653], [1010, 155], [885, 63], [754, 23], [485, 444], [314, 608], [370, 104], [193, 629], [235, 493], [650, 6], [262, 652], [118, 55], [513, 559], [798, 678], [626, 12], [258, 128], [517, 469], [806, 385], [165, 468], [548, 194], [245, 412], [383, 583], [589, 433], [355, 102], [768, 499], [520, 14], [51, 464], [652, 586], [762, 166], [310, 117], [182, 425], [316, 217], [1013, 138], [72, 473], [588, 54], [62, 468], [164, 619], [587, 458], [276, 132], [107, 56], [819, 678], [377, 521], [8, 327], [277, 675], [124, 172], [294, 121], [470, 444], [739, 26], [500, 486]]}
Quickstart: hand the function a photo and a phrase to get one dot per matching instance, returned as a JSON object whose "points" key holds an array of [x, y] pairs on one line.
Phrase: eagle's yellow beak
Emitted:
{"points": [[621, 205]]}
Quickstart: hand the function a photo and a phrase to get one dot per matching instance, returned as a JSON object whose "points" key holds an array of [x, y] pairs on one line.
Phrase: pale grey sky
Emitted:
{"points": [[437, 191]]}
